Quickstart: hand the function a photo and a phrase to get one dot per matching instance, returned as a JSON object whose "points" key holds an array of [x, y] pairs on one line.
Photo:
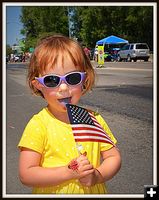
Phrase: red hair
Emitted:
{"points": [[46, 54]]}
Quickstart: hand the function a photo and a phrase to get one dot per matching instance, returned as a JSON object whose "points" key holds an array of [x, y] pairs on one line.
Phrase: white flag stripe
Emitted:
{"points": [[92, 115], [87, 126], [92, 137], [97, 124], [94, 119], [90, 131]]}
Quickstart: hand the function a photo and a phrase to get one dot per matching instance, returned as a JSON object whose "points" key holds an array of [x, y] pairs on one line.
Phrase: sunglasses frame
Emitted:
{"points": [[62, 78]]}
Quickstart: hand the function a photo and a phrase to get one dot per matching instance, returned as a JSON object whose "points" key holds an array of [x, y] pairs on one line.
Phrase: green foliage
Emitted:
{"points": [[88, 23], [39, 21], [130, 23], [8, 50]]}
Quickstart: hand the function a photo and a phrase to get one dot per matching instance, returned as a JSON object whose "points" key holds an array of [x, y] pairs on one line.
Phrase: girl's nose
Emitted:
{"points": [[63, 86]]}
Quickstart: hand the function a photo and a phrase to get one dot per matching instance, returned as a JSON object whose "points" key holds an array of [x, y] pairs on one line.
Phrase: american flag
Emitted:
{"points": [[85, 127]]}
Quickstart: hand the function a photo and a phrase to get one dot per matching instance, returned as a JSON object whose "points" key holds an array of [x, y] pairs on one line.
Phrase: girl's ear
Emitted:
{"points": [[37, 85]]}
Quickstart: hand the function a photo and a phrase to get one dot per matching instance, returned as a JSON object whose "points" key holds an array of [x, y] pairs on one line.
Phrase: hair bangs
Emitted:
{"points": [[76, 57]]}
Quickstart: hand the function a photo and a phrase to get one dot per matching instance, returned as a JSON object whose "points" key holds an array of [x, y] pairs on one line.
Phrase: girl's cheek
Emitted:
{"points": [[77, 89], [49, 92], [76, 94]]}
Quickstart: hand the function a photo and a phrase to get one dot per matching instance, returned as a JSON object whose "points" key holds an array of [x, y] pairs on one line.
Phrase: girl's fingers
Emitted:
{"points": [[87, 167], [82, 158], [83, 162], [84, 154], [87, 172]]}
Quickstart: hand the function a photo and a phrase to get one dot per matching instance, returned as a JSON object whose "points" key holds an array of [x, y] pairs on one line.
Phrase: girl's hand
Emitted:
{"points": [[88, 180], [91, 179], [108, 168], [81, 167]]}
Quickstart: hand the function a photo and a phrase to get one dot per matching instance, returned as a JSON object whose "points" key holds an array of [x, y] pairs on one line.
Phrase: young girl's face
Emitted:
{"points": [[58, 96]]}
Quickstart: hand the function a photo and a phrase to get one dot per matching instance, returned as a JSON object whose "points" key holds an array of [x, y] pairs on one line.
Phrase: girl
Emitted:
{"points": [[61, 73]]}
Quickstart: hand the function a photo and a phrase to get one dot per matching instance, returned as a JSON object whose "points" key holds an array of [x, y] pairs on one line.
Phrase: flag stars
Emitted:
{"points": [[80, 115]]}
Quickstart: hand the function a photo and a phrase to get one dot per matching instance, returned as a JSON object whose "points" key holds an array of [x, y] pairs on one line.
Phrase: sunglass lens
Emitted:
{"points": [[73, 79], [51, 81]]}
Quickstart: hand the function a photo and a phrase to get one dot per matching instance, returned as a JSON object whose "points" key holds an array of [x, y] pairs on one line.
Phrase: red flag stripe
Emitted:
{"points": [[94, 119], [97, 123], [93, 140], [87, 134], [92, 115], [87, 131], [97, 139], [78, 134], [78, 128], [86, 127]]}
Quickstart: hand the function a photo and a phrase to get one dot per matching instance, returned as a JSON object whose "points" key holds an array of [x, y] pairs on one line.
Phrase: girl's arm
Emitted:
{"points": [[32, 174], [108, 168], [110, 165]]}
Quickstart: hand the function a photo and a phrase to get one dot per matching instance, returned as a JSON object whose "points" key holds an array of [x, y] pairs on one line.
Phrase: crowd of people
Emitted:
{"points": [[91, 53], [109, 55], [22, 57]]}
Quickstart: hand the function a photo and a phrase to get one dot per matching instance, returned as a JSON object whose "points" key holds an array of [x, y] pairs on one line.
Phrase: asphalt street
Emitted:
{"points": [[123, 95]]}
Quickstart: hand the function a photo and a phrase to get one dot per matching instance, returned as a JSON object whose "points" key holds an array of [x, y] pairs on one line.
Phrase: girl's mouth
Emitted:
{"points": [[65, 100]]}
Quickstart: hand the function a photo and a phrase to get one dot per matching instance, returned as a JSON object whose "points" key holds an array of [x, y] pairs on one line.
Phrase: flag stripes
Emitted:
{"points": [[85, 126], [91, 139]]}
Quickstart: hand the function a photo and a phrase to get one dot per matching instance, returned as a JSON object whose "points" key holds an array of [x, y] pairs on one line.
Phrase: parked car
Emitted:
{"points": [[134, 51]]}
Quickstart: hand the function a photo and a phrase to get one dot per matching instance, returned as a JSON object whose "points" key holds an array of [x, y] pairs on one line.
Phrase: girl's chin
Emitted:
{"points": [[60, 107], [63, 105]]}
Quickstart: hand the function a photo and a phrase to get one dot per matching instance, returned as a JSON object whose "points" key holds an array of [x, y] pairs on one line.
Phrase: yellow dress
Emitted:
{"points": [[54, 140]]}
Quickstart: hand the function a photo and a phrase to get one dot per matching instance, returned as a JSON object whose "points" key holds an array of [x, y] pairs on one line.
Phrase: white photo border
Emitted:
{"points": [[154, 4]]}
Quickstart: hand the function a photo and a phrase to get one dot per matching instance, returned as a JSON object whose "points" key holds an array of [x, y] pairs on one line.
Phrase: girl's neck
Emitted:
{"points": [[62, 116]]}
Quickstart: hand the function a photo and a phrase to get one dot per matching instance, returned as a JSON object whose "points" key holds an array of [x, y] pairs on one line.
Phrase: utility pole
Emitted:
{"points": [[69, 25]]}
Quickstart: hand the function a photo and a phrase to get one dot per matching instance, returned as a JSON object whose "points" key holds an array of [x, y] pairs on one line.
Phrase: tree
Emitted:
{"points": [[88, 23], [39, 21], [8, 50], [129, 22]]}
